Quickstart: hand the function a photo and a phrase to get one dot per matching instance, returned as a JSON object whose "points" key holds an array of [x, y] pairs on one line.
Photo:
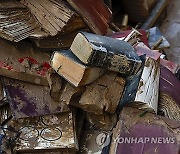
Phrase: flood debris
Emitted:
{"points": [[81, 77], [150, 130], [16, 21]]}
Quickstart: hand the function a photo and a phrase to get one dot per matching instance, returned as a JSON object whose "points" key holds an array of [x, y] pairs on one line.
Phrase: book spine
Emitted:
{"points": [[102, 57]]}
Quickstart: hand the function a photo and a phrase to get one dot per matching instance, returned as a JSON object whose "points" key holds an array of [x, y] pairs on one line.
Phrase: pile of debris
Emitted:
{"points": [[93, 93]]}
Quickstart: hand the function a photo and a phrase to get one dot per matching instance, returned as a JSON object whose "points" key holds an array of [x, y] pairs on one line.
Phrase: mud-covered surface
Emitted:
{"points": [[150, 133], [93, 142], [20, 61], [103, 94], [29, 100], [51, 132]]}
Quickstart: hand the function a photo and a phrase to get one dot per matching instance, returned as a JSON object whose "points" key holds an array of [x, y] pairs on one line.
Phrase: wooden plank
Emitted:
{"points": [[70, 94], [56, 86], [105, 52], [60, 41]]}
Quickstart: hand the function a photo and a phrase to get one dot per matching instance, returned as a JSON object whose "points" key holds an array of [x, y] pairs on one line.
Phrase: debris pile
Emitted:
{"points": [[65, 88]]}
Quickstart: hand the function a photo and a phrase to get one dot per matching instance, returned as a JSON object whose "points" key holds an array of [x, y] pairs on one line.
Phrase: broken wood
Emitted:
{"points": [[144, 132], [95, 13], [123, 34], [103, 95], [148, 90], [66, 64], [105, 52]]}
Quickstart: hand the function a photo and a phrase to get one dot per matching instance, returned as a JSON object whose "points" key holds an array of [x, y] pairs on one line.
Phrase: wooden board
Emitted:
{"points": [[137, 132], [95, 13], [103, 95]]}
